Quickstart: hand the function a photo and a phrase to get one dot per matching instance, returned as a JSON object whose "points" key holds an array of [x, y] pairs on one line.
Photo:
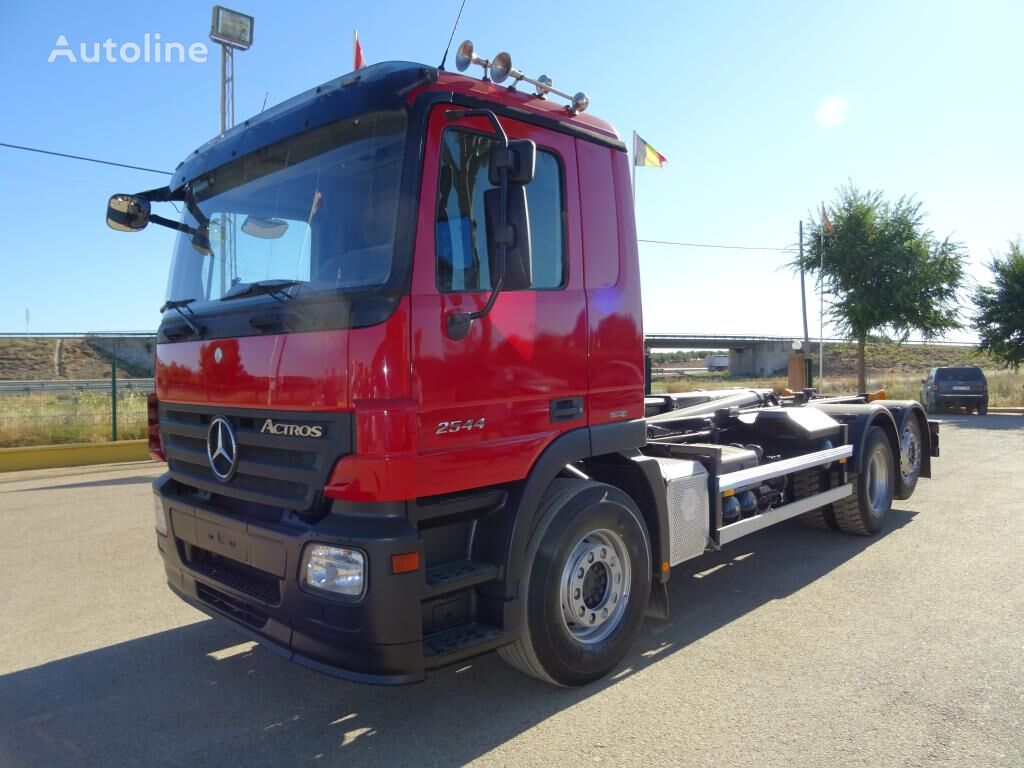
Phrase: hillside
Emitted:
{"points": [[26, 359], [889, 357]]}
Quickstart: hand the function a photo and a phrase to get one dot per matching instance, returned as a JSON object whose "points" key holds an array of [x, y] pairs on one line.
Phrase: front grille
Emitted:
{"points": [[233, 607], [276, 471], [257, 584]]}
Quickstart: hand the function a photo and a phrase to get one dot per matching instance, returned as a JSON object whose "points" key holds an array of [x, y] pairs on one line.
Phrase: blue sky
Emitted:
{"points": [[729, 92]]}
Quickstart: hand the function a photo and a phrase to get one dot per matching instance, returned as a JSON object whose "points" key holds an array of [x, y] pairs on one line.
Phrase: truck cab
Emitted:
{"points": [[400, 389]]}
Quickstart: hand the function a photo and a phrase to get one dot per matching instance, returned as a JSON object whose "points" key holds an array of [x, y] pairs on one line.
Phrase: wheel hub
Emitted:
{"points": [[878, 481], [595, 586], [910, 453]]}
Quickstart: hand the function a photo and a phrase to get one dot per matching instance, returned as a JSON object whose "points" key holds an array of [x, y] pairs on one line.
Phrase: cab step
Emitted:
{"points": [[461, 574], [463, 641]]}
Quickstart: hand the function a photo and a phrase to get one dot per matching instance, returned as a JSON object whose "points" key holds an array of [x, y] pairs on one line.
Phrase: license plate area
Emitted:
{"points": [[959, 388], [223, 540], [229, 538]]}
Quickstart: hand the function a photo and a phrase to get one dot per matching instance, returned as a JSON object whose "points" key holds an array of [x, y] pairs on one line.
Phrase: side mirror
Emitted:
{"points": [[516, 236], [520, 157], [127, 213]]}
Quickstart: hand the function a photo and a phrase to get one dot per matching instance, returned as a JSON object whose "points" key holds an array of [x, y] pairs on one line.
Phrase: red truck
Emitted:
{"points": [[401, 394]]}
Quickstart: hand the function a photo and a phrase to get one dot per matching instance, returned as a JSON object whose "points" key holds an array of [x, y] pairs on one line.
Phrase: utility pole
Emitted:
{"points": [[821, 319], [803, 291]]}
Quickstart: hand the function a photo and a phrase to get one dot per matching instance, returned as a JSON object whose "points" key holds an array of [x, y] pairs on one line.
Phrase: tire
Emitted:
{"points": [[807, 483], [864, 511], [983, 409], [589, 551], [910, 458]]}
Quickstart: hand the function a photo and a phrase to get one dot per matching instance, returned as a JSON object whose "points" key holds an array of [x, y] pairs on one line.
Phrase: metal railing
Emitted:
{"points": [[53, 415], [54, 409]]}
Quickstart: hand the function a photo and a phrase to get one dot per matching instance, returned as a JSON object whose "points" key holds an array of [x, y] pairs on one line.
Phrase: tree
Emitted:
{"points": [[884, 271], [1000, 317]]}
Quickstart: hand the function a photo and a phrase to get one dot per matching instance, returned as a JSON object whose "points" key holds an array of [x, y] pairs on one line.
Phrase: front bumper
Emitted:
{"points": [[247, 574]]}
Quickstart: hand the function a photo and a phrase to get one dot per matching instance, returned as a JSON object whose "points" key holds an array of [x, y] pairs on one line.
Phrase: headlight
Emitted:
{"points": [[159, 515], [337, 570]]}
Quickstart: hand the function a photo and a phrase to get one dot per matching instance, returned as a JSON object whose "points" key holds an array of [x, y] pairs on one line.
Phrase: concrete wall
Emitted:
{"points": [[762, 359], [133, 352]]}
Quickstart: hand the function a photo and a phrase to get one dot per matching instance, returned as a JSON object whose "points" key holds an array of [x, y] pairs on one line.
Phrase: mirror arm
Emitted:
{"points": [[459, 114], [172, 224], [459, 323]]}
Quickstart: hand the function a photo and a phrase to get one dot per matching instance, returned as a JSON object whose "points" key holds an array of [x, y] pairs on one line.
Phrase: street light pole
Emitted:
{"points": [[230, 30], [227, 88]]}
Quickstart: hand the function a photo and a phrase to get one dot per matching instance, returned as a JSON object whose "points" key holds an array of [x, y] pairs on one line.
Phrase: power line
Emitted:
{"points": [[86, 159], [716, 245], [168, 173]]}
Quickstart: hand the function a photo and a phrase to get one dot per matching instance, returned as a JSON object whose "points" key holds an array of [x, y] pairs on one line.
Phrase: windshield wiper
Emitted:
{"points": [[273, 288], [177, 306]]}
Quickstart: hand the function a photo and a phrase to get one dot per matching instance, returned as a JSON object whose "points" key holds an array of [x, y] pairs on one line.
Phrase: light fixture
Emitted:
{"points": [[231, 28], [337, 570]]}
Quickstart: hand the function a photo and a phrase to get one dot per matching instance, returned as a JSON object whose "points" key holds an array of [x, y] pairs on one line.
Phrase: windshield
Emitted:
{"points": [[317, 211], [959, 374]]}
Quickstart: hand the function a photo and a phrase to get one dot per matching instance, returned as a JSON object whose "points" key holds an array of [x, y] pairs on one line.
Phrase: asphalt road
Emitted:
{"points": [[791, 648]]}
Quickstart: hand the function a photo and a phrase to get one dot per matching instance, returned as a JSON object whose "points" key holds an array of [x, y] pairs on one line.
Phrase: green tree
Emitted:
{"points": [[1000, 317], [885, 273]]}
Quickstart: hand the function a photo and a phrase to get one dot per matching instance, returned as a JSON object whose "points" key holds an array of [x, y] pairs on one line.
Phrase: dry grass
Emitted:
{"points": [[74, 417]]}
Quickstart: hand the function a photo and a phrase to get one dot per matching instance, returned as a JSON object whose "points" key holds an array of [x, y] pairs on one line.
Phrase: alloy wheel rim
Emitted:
{"points": [[595, 586]]}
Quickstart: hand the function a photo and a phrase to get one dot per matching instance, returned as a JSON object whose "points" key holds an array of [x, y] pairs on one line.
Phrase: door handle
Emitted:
{"points": [[566, 409]]}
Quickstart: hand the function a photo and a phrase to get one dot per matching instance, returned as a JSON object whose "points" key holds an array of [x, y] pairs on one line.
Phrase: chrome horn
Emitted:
{"points": [[465, 56], [501, 69]]}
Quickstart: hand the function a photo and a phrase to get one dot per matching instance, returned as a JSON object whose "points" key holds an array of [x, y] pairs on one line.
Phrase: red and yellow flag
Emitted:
{"points": [[826, 222], [360, 61], [645, 155]]}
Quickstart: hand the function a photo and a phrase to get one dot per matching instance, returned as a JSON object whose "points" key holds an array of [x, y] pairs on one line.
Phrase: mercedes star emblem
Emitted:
{"points": [[222, 448], [217, 355]]}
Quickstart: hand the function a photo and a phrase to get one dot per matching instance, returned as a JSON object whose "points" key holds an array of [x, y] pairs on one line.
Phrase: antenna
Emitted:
{"points": [[452, 36]]}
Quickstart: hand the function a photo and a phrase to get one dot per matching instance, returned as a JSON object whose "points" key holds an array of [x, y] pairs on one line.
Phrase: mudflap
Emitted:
{"points": [[657, 606]]}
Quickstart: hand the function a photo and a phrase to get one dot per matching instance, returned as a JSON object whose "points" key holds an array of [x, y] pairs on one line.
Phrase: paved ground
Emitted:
{"points": [[793, 648]]}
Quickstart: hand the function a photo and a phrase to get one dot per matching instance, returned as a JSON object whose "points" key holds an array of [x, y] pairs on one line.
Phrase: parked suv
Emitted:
{"points": [[955, 387]]}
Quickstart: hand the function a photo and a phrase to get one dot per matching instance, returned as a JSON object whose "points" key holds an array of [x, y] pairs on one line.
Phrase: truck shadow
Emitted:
{"points": [[196, 696]]}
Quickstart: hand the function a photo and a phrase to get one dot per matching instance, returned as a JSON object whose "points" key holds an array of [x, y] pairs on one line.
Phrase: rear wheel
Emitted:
{"points": [[586, 587], [983, 409], [911, 446], [807, 483], [864, 511]]}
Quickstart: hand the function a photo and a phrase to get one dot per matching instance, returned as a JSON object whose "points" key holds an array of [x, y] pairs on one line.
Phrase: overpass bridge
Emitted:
{"points": [[754, 355], [748, 355]]}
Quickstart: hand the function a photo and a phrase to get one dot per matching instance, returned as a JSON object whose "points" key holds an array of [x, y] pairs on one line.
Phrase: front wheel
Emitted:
{"points": [[587, 582], [864, 511]]}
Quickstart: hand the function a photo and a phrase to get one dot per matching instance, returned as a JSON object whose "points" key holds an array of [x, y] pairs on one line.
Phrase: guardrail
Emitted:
{"points": [[34, 413], [74, 385]]}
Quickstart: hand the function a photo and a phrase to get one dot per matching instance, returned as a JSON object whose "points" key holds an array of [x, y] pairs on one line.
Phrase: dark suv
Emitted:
{"points": [[955, 387]]}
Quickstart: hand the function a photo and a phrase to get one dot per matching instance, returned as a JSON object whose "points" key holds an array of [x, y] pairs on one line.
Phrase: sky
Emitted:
{"points": [[762, 109]]}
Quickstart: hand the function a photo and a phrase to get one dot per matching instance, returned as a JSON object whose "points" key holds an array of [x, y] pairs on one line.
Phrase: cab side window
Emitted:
{"points": [[460, 223]]}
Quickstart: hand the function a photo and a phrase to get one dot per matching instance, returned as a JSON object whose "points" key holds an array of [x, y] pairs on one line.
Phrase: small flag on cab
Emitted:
{"points": [[646, 156], [360, 60]]}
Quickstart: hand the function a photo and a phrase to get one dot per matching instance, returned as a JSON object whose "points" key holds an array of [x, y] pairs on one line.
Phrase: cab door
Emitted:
{"points": [[489, 403]]}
